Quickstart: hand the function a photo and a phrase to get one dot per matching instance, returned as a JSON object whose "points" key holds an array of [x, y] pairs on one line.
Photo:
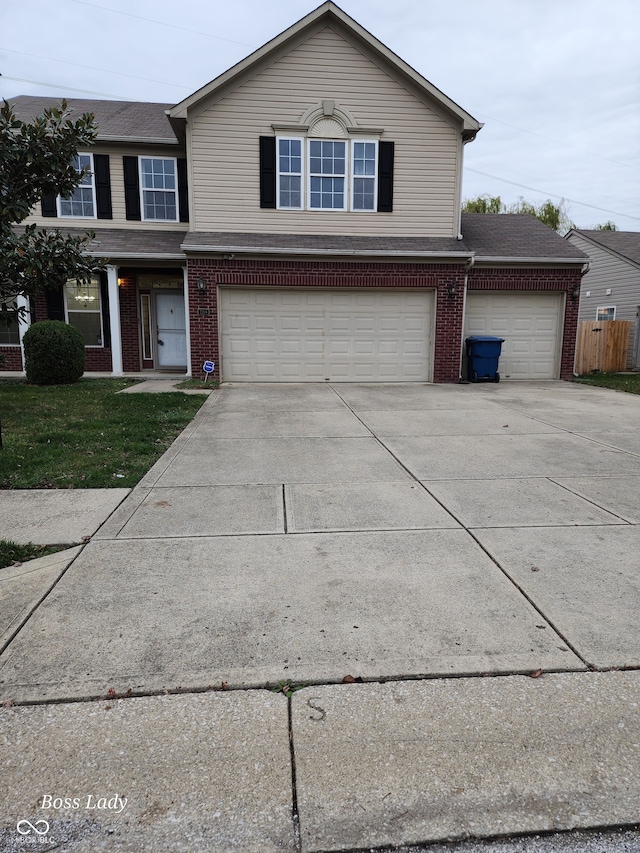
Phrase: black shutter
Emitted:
{"points": [[131, 187], [102, 180], [106, 322], [267, 171], [49, 205], [55, 305], [385, 176], [183, 193]]}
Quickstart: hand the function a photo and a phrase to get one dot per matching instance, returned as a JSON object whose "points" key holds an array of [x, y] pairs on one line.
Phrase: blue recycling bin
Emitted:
{"points": [[483, 354]]}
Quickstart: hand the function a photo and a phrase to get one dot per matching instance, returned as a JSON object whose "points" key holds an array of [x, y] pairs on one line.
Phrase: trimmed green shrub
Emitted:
{"points": [[53, 353]]}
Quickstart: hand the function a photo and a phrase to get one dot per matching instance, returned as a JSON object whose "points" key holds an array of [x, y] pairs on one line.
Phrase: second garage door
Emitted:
{"points": [[531, 325], [293, 335]]}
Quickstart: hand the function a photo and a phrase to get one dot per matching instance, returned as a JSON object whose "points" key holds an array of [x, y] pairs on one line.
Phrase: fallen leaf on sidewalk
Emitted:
{"points": [[536, 674], [349, 679]]}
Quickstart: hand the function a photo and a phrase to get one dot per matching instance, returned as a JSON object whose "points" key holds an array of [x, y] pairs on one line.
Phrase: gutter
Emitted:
{"points": [[142, 140], [489, 259], [359, 253], [140, 256]]}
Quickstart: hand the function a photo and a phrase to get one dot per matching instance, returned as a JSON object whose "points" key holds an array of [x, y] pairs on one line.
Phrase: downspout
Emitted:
{"points": [[468, 266], [585, 269]]}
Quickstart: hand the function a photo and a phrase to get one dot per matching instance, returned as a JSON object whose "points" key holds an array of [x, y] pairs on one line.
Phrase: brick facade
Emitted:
{"points": [[12, 358], [218, 272], [442, 278], [129, 323], [257, 273]]}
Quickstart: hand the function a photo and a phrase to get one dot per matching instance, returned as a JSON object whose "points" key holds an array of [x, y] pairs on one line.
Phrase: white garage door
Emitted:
{"points": [[530, 323], [318, 335]]}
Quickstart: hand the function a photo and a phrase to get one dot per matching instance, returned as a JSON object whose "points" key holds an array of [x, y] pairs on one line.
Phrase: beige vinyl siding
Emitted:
{"points": [[224, 144], [609, 271], [116, 153]]}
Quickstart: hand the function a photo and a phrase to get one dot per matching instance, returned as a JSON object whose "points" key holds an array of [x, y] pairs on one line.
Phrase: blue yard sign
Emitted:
{"points": [[208, 367]]}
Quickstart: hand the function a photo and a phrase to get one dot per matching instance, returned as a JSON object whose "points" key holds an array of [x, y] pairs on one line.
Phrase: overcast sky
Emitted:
{"points": [[556, 82]]}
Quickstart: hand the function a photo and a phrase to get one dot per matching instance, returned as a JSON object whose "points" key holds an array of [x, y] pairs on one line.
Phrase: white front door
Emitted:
{"points": [[172, 335]]}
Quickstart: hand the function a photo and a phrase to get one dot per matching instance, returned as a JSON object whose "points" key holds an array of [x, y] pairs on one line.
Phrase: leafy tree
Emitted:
{"points": [[555, 216], [37, 159], [484, 204], [609, 225]]}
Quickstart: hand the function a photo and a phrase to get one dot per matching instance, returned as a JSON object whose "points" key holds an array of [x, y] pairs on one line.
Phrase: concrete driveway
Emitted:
{"points": [[306, 533]]}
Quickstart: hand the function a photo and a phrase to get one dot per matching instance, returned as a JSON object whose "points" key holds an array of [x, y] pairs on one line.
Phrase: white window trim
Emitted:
{"points": [[300, 139], [305, 177], [99, 312], [84, 186], [374, 209], [142, 189], [605, 308]]}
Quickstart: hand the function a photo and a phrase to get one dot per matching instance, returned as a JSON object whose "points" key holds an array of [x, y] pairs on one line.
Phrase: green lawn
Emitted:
{"points": [[85, 435], [11, 552], [629, 382]]}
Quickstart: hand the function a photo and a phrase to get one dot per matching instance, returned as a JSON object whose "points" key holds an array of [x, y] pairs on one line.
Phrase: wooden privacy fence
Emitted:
{"points": [[602, 346]]}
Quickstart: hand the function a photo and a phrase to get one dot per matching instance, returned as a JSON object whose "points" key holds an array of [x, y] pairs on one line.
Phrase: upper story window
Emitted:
{"points": [[92, 198], [290, 173], [82, 203], [365, 169], [327, 174], [159, 189], [324, 174]]}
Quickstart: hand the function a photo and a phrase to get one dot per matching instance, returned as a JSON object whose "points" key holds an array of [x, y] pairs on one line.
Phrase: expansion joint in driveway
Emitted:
{"points": [[398, 461], [532, 602]]}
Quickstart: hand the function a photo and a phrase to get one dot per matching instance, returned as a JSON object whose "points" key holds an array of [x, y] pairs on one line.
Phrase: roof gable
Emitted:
{"points": [[328, 14], [624, 244]]}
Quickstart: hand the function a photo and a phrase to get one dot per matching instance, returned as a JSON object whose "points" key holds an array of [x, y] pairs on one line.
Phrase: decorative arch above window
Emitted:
{"points": [[326, 162]]}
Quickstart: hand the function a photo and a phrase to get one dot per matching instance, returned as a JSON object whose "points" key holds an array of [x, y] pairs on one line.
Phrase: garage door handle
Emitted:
{"points": [[160, 342]]}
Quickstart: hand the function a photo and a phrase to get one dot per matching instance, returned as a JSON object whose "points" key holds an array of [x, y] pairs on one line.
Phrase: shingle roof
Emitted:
{"points": [[129, 243], [116, 120], [625, 243], [514, 236], [322, 243]]}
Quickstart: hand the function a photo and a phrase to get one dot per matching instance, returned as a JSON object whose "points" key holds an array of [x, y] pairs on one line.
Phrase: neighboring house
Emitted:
{"points": [[320, 237], [611, 288]]}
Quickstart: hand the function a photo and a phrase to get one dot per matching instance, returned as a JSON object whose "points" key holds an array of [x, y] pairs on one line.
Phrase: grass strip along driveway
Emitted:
{"points": [[629, 382], [85, 435]]}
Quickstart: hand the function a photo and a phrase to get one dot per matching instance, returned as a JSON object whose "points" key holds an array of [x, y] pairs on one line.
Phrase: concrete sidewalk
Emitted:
{"points": [[395, 535]]}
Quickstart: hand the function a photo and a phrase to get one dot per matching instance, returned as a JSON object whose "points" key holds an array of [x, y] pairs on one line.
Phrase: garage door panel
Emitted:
{"points": [[529, 322], [308, 336]]}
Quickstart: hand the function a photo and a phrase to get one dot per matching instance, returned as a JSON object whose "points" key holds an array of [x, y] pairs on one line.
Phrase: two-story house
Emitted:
{"points": [[298, 219]]}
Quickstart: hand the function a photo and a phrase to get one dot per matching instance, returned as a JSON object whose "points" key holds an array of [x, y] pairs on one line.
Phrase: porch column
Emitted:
{"points": [[185, 276], [24, 321], [114, 320]]}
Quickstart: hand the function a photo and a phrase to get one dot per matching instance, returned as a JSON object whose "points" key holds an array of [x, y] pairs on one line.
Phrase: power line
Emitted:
{"points": [[92, 68], [164, 24], [67, 88], [552, 195], [557, 142]]}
